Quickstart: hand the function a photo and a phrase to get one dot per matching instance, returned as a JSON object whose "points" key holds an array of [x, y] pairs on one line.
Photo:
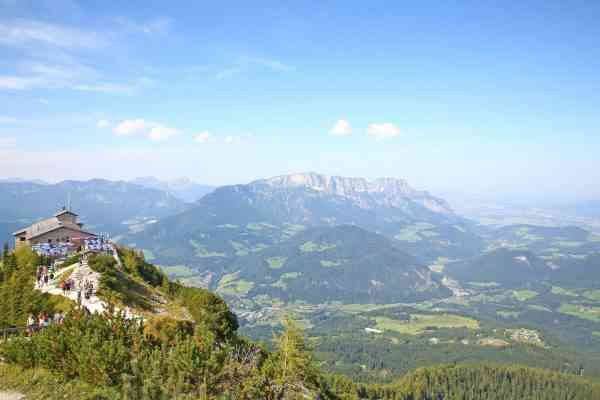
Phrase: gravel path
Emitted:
{"points": [[11, 396]]}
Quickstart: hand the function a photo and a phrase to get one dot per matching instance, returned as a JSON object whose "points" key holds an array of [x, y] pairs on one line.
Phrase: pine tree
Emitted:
{"points": [[290, 370]]}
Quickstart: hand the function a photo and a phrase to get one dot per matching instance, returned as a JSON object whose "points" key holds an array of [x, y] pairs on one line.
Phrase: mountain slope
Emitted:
{"points": [[264, 212], [342, 263], [504, 266]]}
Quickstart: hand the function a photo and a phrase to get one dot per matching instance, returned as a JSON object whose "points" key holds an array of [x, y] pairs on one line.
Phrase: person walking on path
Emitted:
{"points": [[30, 324]]}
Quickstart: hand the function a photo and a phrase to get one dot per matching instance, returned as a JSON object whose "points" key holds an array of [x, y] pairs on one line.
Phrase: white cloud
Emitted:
{"points": [[130, 127], [383, 131], [101, 124], [203, 137], [70, 75], [23, 33], [152, 130], [341, 128], [57, 49], [159, 133], [105, 87]]}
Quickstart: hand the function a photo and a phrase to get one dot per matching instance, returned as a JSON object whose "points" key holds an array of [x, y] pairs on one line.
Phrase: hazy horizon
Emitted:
{"points": [[454, 196]]}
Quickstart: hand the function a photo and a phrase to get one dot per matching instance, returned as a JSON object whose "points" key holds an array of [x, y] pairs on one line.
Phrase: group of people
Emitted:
{"points": [[86, 289], [67, 285], [99, 244], [43, 320], [53, 249], [44, 274]]}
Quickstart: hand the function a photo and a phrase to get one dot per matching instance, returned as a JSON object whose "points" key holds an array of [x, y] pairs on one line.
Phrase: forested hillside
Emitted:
{"points": [[342, 263], [113, 357]]}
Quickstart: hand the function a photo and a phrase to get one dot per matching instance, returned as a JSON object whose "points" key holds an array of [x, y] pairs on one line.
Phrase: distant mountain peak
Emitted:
{"points": [[391, 192], [340, 185], [183, 188]]}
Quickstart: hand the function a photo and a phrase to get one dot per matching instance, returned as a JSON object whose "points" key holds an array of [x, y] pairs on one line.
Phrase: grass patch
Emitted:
{"points": [[579, 311], [524, 295], [557, 290], [524, 234], [408, 235], [177, 271], [282, 282], [202, 252], [363, 308], [259, 226], [483, 284], [240, 248], [227, 226], [416, 232], [310, 247], [592, 295], [508, 314], [536, 307], [292, 229], [331, 264], [194, 281], [231, 285], [568, 243], [420, 323], [259, 247], [276, 262]]}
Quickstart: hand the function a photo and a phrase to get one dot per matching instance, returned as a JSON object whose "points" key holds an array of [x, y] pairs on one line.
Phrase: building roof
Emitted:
{"points": [[65, 211], [48, 225]]}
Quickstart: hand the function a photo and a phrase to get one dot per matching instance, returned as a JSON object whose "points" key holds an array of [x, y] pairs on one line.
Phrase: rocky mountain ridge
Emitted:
{"points": [[387, 192]]}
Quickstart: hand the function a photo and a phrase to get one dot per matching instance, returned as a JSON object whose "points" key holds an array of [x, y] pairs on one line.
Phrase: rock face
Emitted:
{"points": [[368, 194]]}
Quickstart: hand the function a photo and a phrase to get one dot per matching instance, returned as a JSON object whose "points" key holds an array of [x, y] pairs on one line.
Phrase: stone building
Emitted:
{"points": [[63, 227]]}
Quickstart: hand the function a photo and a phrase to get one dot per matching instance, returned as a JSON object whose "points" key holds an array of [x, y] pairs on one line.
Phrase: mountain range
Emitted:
{"points": [[104, 206], [251, 217], [234, 229]]}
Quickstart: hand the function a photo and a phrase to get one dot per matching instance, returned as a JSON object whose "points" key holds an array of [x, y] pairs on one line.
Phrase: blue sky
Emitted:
{"points": [[473, 97]]}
